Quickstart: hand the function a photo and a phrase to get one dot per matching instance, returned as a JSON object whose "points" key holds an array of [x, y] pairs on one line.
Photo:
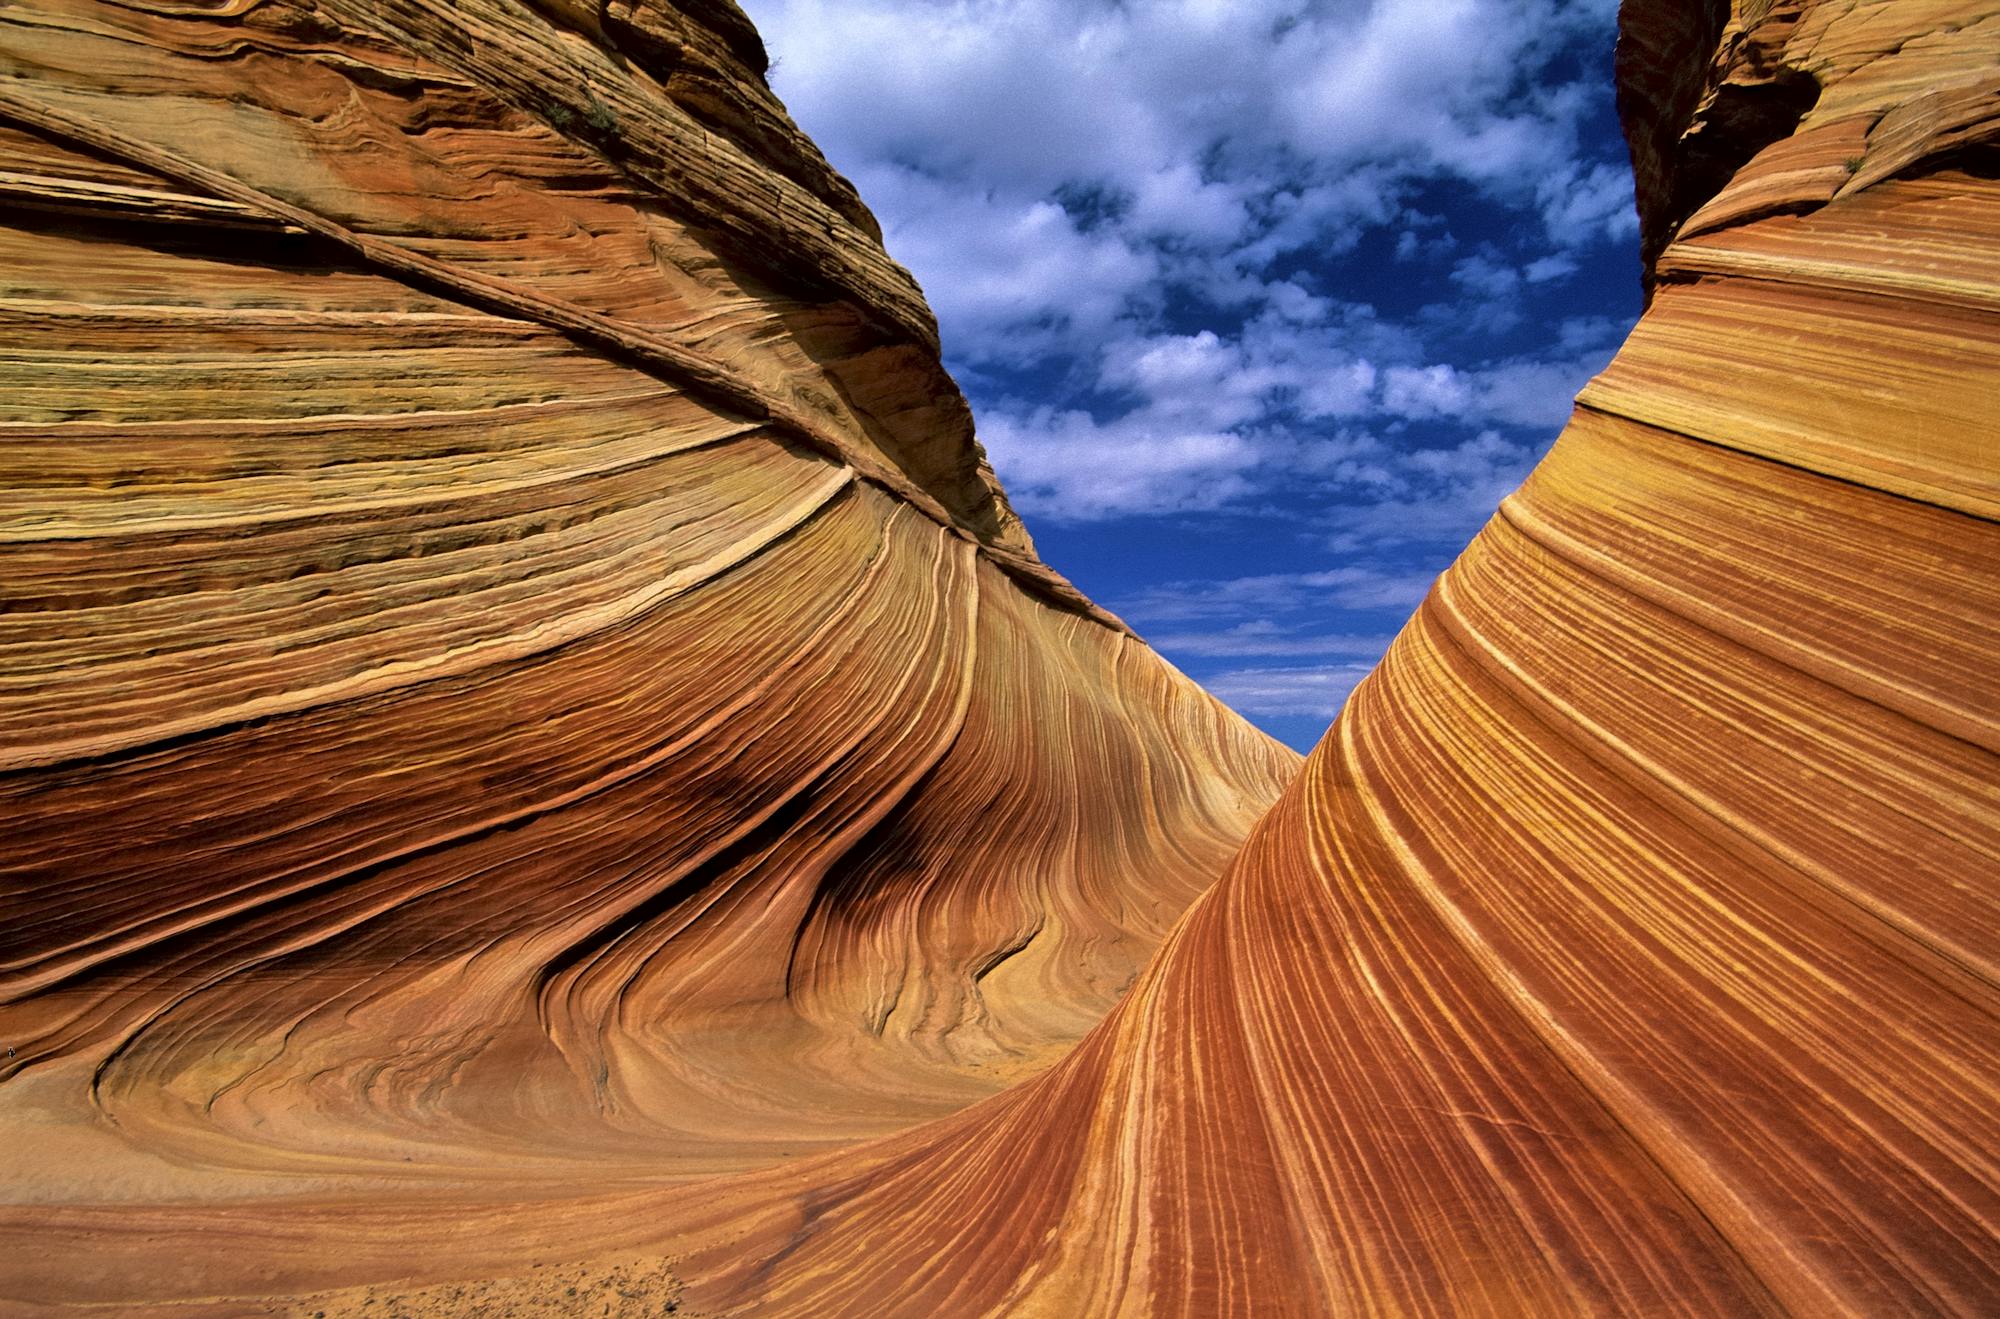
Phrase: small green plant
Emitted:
{"points": [[599, 116]]}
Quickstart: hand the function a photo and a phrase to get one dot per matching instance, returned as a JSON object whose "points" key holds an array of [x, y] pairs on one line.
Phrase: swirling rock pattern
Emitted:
{"points": [[515, 678], [529, 731]]}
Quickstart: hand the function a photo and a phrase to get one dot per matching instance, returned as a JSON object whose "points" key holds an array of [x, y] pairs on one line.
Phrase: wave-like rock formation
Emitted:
{"points": [[515, 678], [528, 733]]}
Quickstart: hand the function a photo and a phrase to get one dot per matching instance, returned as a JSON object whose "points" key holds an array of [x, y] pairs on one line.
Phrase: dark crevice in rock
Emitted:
{"points": [[1740, 120], [1665, 49], [1699, 97]]}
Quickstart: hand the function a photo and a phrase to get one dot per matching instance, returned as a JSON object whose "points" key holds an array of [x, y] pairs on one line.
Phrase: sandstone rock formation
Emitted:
{"points": [[517, 680], [527, 730]]}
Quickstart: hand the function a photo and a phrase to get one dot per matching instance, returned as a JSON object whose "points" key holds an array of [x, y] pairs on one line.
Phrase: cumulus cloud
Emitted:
{"points": [[1011, 278], [1520, 393], [1065, 464], [1211, 140], [1070, 178], [1583, 203], [1319, 265]]}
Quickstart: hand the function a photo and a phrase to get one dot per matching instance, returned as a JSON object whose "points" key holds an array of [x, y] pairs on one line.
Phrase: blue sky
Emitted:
{"points": [[1261, 305]]}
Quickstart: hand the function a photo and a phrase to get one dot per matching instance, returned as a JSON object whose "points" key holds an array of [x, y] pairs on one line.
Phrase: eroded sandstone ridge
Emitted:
{"points": [[516, 681], [524, 715]]}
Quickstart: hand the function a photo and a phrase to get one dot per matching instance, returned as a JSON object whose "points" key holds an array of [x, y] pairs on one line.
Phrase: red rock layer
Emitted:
{"points": [[1627, 947], [515, 679]]}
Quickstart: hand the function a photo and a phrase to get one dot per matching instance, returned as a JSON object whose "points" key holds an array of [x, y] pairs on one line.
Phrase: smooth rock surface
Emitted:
{"points": [[534, 755]]}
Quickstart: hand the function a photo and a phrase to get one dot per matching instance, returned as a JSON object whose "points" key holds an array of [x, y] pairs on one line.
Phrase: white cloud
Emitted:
{"points": [[1079, 184], [1176, 202], [1236, 133], [1449, 515], [1582, 204], [1262, 637], [1559, 266], [1522, 393], [1318, 691], [1313, 594], [1218, 424], [1008, 279], [1485, 455], [1591, 338], [1064, 464], [1486, 277], [1152, 231]]}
